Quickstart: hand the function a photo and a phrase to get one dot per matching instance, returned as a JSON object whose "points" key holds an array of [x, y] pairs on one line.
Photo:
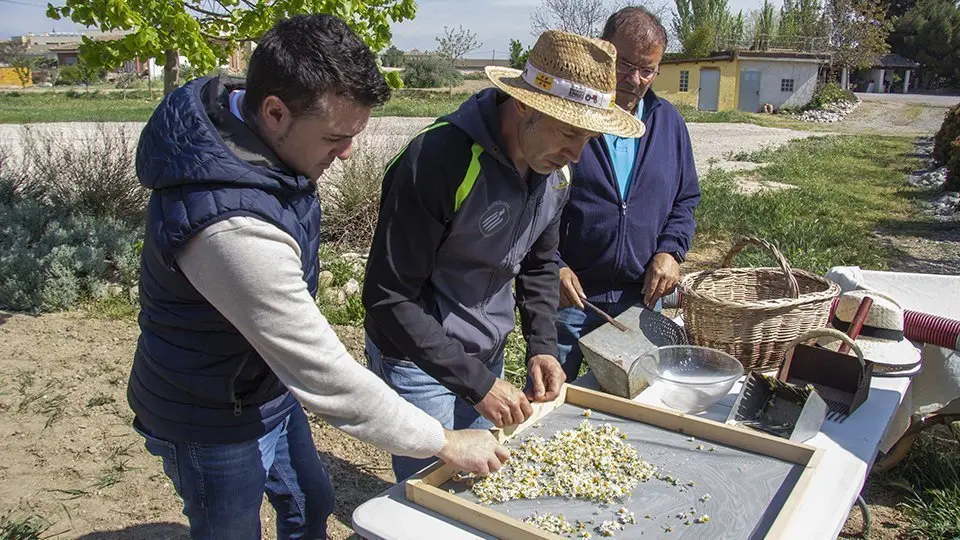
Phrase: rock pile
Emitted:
{"points": [[928, 179], [947, 205], [831, 112], [330, 291]]}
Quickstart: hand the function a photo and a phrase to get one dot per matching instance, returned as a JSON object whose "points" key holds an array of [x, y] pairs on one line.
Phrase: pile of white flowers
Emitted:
{"points": [[590, 463]]}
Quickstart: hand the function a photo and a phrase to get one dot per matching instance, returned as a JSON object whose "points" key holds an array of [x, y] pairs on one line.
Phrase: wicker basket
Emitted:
{"points": [[754, 313]]}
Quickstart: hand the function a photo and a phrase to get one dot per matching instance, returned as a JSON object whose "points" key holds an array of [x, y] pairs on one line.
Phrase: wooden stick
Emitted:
{"points": [[857, 324], [616, 324]]}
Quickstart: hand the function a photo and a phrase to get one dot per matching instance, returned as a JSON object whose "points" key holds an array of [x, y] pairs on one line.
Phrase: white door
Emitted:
{"points": [[709, 92], [749, 91]]}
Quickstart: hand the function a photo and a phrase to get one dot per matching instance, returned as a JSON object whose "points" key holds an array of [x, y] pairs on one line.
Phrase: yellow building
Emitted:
{"points": [[9, 77], [745, 80]]}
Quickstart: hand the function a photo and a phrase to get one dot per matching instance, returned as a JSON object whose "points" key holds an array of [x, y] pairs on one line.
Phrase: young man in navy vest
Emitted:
{"points": [[629, 222], [232, 342], [469, 208]]}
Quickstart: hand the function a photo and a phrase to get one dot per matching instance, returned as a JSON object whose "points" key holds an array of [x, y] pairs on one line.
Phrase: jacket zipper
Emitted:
{"points": [[513, 242], [237, 402], [621, 228]]}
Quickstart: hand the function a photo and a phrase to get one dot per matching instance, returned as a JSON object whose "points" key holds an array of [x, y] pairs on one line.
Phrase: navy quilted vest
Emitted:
{"points": [[195, 377]]}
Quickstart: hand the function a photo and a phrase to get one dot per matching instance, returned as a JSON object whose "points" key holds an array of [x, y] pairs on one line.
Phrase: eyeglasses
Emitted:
{"points": [[625, 69]]}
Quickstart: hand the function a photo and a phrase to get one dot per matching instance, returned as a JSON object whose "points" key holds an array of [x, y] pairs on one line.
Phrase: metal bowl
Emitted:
{"points": [[691, 378]]}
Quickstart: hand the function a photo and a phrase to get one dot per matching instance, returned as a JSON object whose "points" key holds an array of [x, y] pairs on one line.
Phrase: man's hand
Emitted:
{"points": [[660, 278], [570, 290], [473, 450], [546, 377], [504, 405]]}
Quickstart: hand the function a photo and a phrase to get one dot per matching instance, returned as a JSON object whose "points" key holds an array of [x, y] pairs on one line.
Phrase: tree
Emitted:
{"points": [[857, 32], [584, 17], [699, 43], [929, 33], [14, 53], [764, 27], [801, 24], [207, 32], [702, 26], [125, 80], [456, 42], [393, 57], [899, 8], [518, 55]]}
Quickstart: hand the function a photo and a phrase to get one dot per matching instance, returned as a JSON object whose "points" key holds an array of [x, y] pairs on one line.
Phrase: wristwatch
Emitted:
{"points": [[677, 256]]}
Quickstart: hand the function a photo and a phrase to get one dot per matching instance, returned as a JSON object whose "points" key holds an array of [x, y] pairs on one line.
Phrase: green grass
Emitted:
{"points": [[75, 106], [692, 114], [930, 478], [24, 528], [100, 400], [96, 106], [847, 186], [116, 308], [423, 103], [909, 114]]}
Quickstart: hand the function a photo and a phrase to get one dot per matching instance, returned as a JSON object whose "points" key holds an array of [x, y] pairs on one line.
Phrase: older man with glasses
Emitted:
{"points": [[629, 222]]}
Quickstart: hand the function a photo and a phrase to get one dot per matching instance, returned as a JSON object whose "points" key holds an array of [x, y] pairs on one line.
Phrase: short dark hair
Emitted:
{"points": [[644, 26], [304, 57]]}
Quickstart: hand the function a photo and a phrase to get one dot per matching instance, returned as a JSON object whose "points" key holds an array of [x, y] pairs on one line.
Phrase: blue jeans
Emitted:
{"points": [[428, 395], [222, 486], [574, 323]]}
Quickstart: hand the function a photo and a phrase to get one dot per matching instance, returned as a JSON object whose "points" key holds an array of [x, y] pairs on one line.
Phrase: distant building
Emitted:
{"points": [[473, 65], [63, 49], [744, 80], [890, 74]]}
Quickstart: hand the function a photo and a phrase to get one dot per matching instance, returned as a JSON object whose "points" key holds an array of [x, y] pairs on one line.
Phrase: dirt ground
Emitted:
{"points": [[72, 457], [897, 114]]}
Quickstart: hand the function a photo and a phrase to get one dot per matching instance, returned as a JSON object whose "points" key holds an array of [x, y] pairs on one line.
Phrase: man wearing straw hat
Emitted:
{"points": [[472, 204], [629, 222]]}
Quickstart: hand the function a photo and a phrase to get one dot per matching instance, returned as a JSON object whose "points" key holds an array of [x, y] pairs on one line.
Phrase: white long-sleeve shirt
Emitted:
{"points": [[250, 271]]}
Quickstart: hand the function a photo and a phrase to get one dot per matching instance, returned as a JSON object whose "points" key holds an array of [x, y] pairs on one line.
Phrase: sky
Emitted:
{"points": [[495, 22]]}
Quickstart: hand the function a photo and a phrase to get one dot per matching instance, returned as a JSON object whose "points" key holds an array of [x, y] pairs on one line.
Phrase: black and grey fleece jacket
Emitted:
{"points": [[458, 224]]}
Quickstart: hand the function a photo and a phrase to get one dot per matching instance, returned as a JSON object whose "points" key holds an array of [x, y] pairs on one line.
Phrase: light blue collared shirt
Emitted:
{"points": [[623, 154]]}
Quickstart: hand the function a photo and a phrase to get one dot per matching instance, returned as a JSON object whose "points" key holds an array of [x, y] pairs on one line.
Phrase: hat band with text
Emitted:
{"points": [[565, 89]]}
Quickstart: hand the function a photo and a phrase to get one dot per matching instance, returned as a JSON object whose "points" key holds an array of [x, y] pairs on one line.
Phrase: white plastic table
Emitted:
{"points": [[850, 448]]}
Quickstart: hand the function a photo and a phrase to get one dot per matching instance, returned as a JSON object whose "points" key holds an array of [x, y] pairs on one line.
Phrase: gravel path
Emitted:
{"points": [[897, 114], [712, 143]]}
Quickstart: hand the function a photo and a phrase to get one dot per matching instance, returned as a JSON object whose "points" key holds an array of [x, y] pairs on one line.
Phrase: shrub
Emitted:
{"points": [[93, 175], [48, 75], [70, 221], [430, 72], [948, 132], [79, 74], [946, 148], [830, 92], [50, 260], [953, 167], [351, 196]]}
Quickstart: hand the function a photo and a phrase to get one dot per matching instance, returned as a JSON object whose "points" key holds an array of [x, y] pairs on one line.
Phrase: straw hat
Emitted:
{"points": [[573, 79], [881, 338]]}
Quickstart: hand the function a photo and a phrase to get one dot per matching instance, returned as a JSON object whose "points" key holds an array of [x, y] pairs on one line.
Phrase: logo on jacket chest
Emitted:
{"points": [[494, 218]]}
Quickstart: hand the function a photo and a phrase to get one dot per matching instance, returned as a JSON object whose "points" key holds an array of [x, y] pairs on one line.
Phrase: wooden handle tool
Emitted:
{"points": [[616, 324], [857, 323]]}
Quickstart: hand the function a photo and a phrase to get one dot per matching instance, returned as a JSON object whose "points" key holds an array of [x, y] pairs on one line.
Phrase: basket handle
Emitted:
{"points": [[745, 241], [824, 332]]}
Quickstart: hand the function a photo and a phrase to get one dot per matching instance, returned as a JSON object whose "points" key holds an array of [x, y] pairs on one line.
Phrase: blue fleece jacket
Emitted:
{"points": [[607, 240]]}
